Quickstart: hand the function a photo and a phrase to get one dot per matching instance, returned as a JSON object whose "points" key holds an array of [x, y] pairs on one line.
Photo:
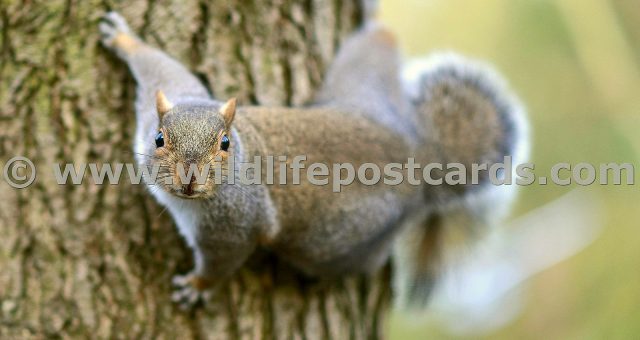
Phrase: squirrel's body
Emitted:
{"points": [[319, 229], [293, 219], [362, 114]]}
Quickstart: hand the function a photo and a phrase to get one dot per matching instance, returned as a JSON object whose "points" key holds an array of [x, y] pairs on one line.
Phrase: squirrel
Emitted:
{"points": [[369, 109]]}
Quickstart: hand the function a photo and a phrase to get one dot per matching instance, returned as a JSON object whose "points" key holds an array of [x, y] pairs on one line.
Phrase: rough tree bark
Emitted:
{"points": [[96, 261]]}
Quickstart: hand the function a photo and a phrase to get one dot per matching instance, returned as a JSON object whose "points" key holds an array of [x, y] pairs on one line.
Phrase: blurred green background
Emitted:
{"points": [[576, 65]]}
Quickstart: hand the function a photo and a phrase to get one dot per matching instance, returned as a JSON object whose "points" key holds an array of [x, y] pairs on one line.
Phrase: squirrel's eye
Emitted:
{"points": [[159, 140], [224, 144]]}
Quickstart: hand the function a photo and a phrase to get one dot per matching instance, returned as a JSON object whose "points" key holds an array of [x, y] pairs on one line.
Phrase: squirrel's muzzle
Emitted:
{"points": [[189, 167]]}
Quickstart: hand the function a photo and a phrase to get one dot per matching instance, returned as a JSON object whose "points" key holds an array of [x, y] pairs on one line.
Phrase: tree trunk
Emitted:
{"points": [[96, 260]]}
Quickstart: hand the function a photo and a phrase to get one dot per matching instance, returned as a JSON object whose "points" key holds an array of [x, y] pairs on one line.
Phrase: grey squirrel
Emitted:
{"points": [[365, 112]]}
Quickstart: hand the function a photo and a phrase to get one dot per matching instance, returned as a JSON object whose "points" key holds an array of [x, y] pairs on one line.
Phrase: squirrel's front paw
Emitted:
{"points": [[190, 290], [116, 34]]}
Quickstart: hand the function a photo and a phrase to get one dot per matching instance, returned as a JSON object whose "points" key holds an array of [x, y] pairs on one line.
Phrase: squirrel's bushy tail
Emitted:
{"points": [[469, 117]]}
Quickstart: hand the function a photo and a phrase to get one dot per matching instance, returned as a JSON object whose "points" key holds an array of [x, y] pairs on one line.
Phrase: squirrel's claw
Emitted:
{"points": [[111, 26], [185, 292]]}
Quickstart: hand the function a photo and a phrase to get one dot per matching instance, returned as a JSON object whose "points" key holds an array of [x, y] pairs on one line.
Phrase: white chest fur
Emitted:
{"points": [[184, 214]]}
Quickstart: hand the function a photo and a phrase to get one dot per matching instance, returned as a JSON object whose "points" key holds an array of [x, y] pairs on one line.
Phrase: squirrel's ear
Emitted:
{"points": [[163, 105], [228, 111]]}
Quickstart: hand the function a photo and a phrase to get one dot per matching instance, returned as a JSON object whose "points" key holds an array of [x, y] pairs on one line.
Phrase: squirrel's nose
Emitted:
{"points": [[188, 189]]}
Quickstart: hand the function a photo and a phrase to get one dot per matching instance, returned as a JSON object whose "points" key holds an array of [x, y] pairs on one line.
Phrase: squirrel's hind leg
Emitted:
{"points": [[367, 66], [364, 78]]}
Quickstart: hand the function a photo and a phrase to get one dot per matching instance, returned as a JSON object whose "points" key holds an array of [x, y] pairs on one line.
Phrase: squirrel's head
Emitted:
{"points": [[191, 143]]}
